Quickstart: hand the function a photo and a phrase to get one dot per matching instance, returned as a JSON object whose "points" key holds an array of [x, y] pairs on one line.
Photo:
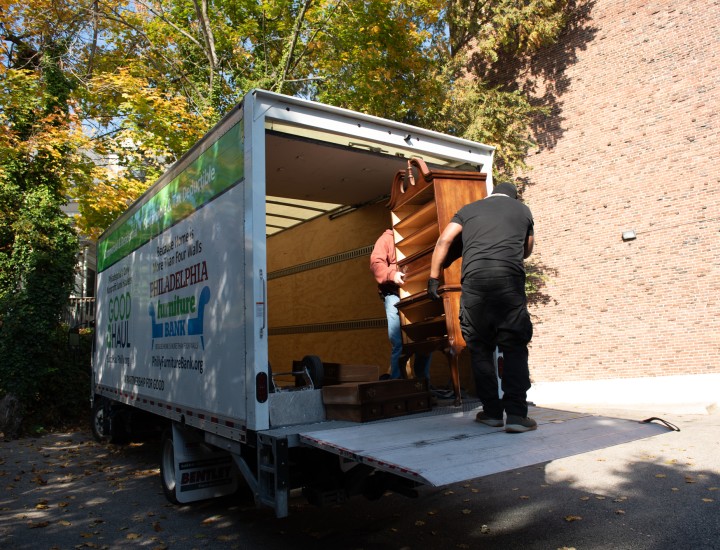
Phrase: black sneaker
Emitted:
{"points": [[518, 424], [488, 420]]}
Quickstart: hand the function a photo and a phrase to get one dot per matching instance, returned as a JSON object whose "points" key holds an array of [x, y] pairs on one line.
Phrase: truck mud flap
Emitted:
{"points": [[440, 449]]}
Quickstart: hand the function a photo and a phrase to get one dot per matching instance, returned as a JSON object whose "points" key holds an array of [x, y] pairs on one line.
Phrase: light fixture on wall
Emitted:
{"points": [[629, 235]]}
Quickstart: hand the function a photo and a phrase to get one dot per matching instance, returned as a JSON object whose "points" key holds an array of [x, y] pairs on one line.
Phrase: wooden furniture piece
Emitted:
{"points": [[365, 401], [422, 203]]}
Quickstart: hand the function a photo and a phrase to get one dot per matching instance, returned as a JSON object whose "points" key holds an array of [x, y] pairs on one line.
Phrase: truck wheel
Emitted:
{"points": [[314, 366], [167, 466], [108, 425], [97, 420]]}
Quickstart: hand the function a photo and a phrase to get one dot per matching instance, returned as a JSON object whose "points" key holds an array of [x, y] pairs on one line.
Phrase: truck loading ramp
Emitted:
{"points": [[448, 446]]}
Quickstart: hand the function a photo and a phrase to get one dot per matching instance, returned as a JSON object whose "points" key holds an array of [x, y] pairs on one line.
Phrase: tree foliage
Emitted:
{"points": [[38, 245], [153, 75]]}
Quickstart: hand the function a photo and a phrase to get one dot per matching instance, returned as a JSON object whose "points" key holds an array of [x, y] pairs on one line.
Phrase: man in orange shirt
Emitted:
{"points": [[383, 264]]}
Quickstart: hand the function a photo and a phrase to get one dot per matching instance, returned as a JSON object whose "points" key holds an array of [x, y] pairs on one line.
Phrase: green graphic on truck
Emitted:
{"points": [[211, 174]]}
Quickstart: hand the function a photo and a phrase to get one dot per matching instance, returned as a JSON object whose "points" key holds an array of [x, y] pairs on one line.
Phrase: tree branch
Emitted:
{"points": [[289, 54]]}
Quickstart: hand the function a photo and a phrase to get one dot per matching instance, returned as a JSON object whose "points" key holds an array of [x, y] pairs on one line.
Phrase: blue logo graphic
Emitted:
{"points": [[166, 324]]}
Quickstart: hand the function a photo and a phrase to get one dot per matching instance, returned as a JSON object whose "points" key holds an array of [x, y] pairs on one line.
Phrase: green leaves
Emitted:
{"points": [[146, 80], [39, 161]]}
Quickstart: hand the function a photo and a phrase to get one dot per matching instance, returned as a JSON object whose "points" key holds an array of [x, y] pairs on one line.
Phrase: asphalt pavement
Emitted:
{"points": [[65, 491]]}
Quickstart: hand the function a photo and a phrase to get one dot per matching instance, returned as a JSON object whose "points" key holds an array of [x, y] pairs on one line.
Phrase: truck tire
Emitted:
{"points": [[167, 466], [98, 419], [314, 366], [107, 424]]}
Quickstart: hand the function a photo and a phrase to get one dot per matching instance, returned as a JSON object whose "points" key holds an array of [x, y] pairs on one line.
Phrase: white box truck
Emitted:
{"points": [[251, 253]]}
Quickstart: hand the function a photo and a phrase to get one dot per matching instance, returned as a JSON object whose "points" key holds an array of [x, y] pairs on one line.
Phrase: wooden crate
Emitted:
{"points": [[365, 401], [340, 373]]}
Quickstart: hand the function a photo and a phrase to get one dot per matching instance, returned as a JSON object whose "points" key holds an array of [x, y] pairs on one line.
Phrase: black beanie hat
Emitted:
{"points": [[506, 189]]}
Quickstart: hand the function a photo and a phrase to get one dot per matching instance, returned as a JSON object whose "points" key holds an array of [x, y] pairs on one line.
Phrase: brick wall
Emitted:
{"points": [[633, 143]]}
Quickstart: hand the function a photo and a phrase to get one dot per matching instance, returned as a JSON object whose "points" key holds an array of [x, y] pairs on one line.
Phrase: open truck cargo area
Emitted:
{"points": [[225, 289]]}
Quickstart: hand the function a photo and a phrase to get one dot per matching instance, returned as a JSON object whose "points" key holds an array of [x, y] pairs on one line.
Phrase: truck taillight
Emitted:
{"points": [[261, 387]]}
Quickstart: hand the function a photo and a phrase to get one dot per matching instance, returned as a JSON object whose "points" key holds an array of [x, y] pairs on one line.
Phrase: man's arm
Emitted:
{"points": [[442, 247], [529, 244]]}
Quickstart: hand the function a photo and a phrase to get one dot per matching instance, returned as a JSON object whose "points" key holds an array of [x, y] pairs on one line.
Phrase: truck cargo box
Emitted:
{"points": [[251, 253]]}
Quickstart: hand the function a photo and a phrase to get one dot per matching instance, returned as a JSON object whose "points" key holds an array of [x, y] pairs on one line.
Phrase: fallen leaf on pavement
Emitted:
{"points": [[211, 519], [33, 525], [573, 518]]}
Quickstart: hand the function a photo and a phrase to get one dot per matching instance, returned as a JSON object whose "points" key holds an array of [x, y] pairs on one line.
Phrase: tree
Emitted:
{"points": [[40, 142], [155, 75], [486, 44]]}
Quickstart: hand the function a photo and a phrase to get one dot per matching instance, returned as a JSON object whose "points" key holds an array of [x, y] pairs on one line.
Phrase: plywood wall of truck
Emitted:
{"points": [[322, 237], [339, 292]]}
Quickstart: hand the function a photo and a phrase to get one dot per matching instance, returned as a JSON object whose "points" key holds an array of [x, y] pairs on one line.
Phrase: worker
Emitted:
{"points": [[383, 264], [497, 235]]}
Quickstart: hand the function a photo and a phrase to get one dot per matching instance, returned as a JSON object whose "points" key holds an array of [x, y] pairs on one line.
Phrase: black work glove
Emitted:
{"points": [[432, 288]]}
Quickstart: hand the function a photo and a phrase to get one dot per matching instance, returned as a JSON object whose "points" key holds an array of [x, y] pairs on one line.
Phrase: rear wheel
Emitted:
{"points": [[99, 421], [167, 466], [109, 422]]}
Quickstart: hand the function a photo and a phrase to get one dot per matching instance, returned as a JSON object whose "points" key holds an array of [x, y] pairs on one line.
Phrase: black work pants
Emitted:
{"points": [[493, 312]]}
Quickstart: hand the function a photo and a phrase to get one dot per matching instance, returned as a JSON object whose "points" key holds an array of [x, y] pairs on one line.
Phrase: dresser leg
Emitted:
{"points": [[453, 358]]}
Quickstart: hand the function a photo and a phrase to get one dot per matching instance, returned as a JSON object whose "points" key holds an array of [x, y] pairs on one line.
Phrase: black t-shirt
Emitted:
{"points": [[493, 235]]}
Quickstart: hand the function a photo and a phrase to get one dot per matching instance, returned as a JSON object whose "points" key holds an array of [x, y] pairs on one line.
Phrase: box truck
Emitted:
{"points": [[228, 286]]}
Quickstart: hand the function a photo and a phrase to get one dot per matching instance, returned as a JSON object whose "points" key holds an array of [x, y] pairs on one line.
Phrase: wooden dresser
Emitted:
{"points": [[423, 202]]}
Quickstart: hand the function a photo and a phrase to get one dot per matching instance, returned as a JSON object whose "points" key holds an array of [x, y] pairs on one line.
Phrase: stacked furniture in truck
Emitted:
{"points": [[421, 207]]}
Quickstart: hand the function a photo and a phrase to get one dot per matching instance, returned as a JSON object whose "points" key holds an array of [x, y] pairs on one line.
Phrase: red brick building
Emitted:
{"points": [[633, 144]]}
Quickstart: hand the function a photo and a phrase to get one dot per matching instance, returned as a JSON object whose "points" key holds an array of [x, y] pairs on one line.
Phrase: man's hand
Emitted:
{"points": [[432, 288], [399, 278]]}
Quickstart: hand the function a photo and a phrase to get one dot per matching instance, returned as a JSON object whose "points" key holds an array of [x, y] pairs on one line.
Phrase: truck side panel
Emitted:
{"points": [[171, 304]]}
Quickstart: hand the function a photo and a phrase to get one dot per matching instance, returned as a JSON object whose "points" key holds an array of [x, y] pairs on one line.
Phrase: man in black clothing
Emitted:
{"points": [[497, 235]]}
